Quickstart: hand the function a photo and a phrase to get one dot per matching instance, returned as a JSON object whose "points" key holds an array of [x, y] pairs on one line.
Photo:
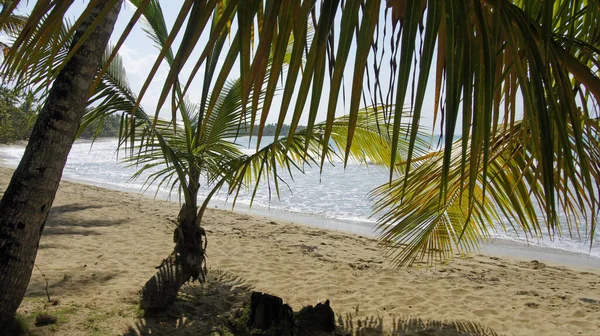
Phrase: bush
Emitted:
{"points": [[14, 123], [18, 112], [109, 128]]}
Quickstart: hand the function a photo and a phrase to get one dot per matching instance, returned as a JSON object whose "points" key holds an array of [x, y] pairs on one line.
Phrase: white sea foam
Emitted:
{"points": [[337, 194]]}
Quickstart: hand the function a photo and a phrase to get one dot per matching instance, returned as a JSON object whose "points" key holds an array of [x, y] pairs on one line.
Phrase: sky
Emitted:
{"points": [[139, 55]]}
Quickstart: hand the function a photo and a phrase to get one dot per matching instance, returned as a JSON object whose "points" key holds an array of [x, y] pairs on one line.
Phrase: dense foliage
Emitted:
{"points": [[107, 128], [519, 80], [19, 110], [16, 111]]}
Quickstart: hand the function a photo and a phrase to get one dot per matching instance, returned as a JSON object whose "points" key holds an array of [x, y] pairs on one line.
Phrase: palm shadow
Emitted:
{"points": [[57, 231], [206, 309], [74, 207], [411, 326], [61, 222], [69, 284], [200, 309]]}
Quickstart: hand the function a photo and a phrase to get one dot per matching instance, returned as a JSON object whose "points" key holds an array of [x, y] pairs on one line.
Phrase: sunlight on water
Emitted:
{"points": [[338, 193]]}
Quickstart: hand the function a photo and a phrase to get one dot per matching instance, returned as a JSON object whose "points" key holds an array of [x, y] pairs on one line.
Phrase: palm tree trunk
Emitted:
{"points": [[187, 260], [190, 249], [29, 196]]}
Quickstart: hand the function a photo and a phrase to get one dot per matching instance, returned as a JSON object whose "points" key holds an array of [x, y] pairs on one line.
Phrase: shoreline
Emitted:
{"points": [[100, 246], [522, 252], [497, 247]]}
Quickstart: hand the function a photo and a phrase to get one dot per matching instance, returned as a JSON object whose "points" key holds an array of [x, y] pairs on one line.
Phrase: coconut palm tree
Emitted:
{"points": [[543, 155], [29, 196], [496, 62], [200, 148], [416, 226]]}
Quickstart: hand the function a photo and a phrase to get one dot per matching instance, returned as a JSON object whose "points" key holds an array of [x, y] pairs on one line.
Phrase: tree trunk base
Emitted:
{"points": [[187, 262], [13, 327]]}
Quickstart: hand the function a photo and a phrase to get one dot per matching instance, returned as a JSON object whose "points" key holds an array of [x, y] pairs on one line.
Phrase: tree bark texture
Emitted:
{"points": [[190, 238], [29, 196], [186, 262], [188, 259]]}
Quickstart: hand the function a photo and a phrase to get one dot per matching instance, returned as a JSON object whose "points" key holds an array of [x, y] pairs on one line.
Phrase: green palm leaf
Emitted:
{"points": [[415, 225], [370, 146]]}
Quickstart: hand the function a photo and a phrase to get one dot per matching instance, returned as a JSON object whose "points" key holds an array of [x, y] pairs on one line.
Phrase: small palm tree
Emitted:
{"points": [[200, 148]]}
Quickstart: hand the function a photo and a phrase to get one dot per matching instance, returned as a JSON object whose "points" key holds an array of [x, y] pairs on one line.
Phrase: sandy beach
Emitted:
{"points": [[100, 246]]}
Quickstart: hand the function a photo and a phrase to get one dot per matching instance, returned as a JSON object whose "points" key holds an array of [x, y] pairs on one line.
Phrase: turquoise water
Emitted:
{"points": [[337, 198]]}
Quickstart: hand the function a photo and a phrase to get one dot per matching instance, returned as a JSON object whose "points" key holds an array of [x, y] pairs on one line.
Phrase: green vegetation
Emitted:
{"points": [[106, 128], [201, 145], [97, 323], [16, 113], [461, 184], [26, 324], [493, 63], [518, 79]]}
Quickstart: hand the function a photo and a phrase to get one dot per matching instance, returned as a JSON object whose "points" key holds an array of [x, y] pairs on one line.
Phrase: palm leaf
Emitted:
{"points": [[420, 226], [250, 172]]}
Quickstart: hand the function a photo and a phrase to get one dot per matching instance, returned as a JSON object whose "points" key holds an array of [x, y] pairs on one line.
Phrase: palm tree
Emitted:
{"points": [[498, 63], [28, 198], [432, 230], [12, 23], [201, 148], [542, 55]]}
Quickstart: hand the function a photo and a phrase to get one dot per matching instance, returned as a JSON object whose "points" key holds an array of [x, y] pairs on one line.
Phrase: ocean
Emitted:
{"points": [[336, 199]]}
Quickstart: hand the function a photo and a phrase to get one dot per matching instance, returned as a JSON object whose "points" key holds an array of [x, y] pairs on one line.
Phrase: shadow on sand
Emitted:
{"points": [[200, 309], [207, 309], [410, 326], [62, 209], [69, 284], [61, 222]]}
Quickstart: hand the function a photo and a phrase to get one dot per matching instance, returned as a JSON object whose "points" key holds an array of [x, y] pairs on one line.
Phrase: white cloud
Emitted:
{"points": [[138, 65]]}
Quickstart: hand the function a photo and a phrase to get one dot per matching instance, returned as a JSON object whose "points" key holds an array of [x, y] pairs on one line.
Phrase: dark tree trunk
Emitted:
{"points": [[187, 260], [190, 236], [190, 243], [29, 196]]}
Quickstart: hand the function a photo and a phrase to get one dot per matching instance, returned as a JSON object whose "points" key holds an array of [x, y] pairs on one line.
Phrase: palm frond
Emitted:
{"points": [[276, 162], [415, 224], [13, 24]]}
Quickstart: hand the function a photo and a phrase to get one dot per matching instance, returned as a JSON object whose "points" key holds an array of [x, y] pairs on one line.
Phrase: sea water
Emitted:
{"points": [[336, 198]]}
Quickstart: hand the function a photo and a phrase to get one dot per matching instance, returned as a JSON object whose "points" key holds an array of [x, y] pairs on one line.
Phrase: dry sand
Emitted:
{"points": [[100, 246]]}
